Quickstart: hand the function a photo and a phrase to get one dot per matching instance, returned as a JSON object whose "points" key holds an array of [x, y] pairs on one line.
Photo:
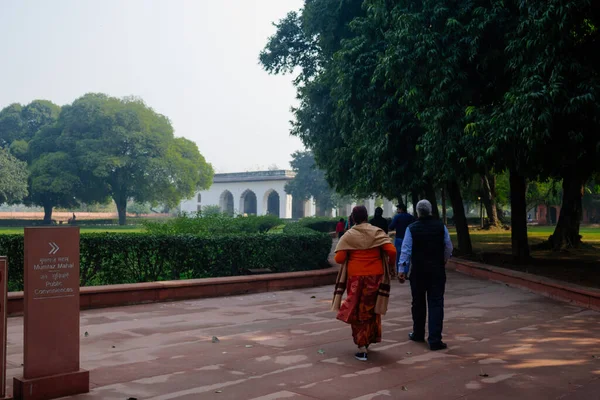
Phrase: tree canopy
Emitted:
{"points": [[412, 95], [128, 151], [97, 148], [13, 178], [309, 181]]}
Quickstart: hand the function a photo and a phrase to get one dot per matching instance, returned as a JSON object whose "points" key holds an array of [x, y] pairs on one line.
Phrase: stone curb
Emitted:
{"points": [[151, 292], [564, 291]]}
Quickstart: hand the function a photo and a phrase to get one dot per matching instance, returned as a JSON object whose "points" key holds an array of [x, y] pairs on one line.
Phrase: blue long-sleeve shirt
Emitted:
{"points": [[404, 261]]}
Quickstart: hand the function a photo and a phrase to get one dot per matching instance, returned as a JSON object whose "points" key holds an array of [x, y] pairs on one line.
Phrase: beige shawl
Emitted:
{"points": [[362, 237]]}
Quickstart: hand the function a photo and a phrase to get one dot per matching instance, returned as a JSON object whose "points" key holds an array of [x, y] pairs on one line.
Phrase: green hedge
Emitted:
{"points": [[114, 258], [320, 224], [213, 224]]}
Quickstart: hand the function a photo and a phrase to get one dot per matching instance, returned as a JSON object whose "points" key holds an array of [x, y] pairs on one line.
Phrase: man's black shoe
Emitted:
{"points": [[415, 338], [438, 346]]}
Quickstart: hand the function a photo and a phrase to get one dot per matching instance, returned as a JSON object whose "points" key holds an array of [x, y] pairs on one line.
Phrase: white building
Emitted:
{"points": [[261, 193]]}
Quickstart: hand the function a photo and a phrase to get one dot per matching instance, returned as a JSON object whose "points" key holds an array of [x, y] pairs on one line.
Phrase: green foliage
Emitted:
{"points": [[11, 124], [319, 224], [54, 181], [13, 178], [212, 211], [126, 150], [309, 181], [22, 123], [139, 208], [114, 258], [213, 224]]}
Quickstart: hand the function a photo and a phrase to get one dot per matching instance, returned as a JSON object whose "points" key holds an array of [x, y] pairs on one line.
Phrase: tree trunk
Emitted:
{"points": [[566, 233], [444, 218], [415, 200], [488, 184], [518, 217], [460, 218], [48, 214], [122, 210], [430, 195]]}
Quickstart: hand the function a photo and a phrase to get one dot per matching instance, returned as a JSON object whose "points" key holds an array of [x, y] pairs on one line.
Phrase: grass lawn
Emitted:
{"points": [[84, 229], [580, 266]]}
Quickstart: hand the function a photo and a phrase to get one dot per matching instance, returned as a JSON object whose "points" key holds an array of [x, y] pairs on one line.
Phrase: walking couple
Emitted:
{"points": [[366, 252]]}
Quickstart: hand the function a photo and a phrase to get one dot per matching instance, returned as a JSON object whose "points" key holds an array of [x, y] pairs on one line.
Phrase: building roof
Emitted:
{"points": [[255, 176]]}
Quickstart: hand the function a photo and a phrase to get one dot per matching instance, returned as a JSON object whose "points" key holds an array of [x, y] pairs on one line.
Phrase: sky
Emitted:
{"points": [[195, 61]]}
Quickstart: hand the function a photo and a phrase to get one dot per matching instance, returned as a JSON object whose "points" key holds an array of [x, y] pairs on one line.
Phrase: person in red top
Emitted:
{"points": [[365, 252], [340, 227]]}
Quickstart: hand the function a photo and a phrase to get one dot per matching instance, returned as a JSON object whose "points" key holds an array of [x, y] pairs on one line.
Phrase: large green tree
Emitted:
{"points": [[554, 98], [55, 179], [20, 123], [29, 133], [354, 121], [13, 178], [127, 150]]}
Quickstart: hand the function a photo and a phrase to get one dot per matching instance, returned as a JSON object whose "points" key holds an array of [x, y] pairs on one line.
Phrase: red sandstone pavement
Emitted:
{"points": [[504, 343]]}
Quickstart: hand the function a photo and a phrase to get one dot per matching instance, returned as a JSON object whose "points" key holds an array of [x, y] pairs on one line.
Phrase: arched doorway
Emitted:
{"points": [[226, 202], [248, 202], [271, 202]]}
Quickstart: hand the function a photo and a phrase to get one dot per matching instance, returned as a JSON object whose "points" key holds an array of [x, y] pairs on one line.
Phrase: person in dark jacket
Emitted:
{"points": [[400, 222], [379, 221], [426, 249]]}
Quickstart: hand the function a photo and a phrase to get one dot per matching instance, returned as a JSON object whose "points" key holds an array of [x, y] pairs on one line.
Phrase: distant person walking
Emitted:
{"points": [[426, 249], [401, 221], [349, 223], [340, 227], [365, 252], [379, 221]]}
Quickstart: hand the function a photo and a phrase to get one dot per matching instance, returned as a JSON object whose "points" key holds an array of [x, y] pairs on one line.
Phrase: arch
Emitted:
{"points": [[248, 202], [226, 202], [271, 202]]}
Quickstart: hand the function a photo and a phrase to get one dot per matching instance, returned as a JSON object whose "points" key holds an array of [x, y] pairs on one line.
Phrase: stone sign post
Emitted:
{"points": [[51, 315], [3, 315]]}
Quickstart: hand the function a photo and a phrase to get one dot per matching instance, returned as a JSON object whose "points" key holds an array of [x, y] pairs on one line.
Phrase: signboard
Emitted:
{"points": [[51, 301], [3, 316]]}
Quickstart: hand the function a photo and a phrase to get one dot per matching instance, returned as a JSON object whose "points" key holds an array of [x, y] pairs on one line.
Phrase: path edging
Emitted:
{"points": [[152, 292], [568, 292]]}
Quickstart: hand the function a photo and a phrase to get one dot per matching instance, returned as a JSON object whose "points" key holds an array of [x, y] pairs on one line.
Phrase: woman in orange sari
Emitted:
{"points": [[364, 252]]}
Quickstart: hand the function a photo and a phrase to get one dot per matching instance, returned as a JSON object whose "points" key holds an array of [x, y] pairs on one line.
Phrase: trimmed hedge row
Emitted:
{"points": [[115, 258], [320, 224]]}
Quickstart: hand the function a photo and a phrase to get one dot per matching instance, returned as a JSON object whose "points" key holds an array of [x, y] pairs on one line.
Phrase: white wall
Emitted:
{"points": [[212, 196]]}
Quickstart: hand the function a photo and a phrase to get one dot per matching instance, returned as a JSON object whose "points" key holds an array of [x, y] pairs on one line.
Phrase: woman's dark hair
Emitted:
{"points": [[360, 214], [342, 220]]}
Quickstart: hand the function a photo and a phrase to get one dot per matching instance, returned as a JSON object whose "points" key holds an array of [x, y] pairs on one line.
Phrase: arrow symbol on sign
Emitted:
{"points": [[54, 249]]}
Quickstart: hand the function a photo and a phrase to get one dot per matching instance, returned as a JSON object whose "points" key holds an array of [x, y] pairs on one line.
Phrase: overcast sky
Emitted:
{"points": [[195, 61]]}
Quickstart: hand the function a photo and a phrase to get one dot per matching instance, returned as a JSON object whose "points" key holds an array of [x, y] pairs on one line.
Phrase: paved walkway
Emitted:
{"points": [[504, 344]]}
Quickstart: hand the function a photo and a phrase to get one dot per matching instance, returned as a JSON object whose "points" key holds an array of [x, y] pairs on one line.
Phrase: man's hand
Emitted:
{"points": [[401, 277]]}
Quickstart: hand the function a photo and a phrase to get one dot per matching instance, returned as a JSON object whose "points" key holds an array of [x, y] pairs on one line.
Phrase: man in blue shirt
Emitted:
{"points": [[426, 249], [401, 221]]}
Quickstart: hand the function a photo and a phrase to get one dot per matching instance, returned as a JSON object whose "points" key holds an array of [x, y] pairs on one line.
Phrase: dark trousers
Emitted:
{"points": [[428, 293]]}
